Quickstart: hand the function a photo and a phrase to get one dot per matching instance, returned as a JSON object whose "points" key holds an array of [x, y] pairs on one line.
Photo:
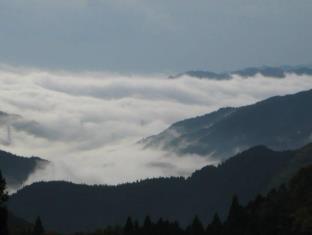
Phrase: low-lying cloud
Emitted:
{"points": [[88, 124]]}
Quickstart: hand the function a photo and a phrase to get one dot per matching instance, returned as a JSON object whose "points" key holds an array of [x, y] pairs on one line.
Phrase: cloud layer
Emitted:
{"points": [[88, 123]]}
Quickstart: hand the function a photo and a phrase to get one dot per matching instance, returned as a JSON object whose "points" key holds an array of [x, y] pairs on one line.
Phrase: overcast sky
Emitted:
{"points": [[155, 36]]}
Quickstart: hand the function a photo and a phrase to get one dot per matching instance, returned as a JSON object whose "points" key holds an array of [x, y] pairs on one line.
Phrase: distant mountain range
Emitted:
{"points": [[16, 169], [281, 122], [70, 207], [267, 71]]}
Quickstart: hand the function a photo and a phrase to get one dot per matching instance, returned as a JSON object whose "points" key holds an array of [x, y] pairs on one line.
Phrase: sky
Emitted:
{"points": [[88, 124], [147, 36]]}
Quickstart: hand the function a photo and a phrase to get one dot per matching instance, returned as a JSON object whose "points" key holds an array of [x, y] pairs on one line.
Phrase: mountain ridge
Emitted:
{"points": [[17, 169], [205, 192], [267, 71], [279, 122]]}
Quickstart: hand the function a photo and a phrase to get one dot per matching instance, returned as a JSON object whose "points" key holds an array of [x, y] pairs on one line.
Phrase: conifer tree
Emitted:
{"points": [[38, 228], [129, 227], [3, 210], [197, 227], [215, 227], [236, 218], [147, 226]]}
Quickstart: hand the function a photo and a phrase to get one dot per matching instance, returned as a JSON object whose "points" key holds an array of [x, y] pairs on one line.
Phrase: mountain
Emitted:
{"points": [[281, 122], [267, 71], [203, 74], [70, 207], [285, 210], [16, 169]]}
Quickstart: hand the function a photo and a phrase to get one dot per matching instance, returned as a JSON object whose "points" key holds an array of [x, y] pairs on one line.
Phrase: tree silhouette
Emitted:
{"points": [[38, 228], [196, 227], [147, 226], [129, 227], [236, 218], [215, 227], [3, 210]]}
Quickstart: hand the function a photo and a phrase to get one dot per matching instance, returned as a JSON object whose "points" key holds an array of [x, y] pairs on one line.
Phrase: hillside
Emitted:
{"points": [[207, 191], [281, 122], [17, 169], [285, 210]]}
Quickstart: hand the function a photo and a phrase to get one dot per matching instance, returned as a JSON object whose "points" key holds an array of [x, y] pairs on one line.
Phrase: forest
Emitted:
{"points": [[286, 210]]}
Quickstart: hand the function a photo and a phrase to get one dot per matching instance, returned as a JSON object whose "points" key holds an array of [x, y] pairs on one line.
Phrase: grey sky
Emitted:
{"points": [[143, 36]]}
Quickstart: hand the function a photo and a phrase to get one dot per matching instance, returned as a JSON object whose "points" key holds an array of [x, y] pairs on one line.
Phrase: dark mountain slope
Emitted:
{"points": [[286, 210], [70, 207], [17, 169], [282, 122]]}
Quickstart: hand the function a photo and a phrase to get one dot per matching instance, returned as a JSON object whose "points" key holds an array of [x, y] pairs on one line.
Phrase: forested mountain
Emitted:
{"points": [[281, 122], [69, 207], [17, 169], [267, 71], [283, 211]]}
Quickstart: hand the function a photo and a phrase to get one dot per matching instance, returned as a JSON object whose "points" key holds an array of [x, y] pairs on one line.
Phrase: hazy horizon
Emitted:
{"points": [[143, 37]]}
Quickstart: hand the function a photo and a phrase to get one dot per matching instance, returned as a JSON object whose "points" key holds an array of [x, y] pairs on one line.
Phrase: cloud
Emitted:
{"points": [[87, 124]]}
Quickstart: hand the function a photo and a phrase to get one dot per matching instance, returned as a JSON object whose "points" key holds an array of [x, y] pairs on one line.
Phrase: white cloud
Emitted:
{"points": [[88, 123]]}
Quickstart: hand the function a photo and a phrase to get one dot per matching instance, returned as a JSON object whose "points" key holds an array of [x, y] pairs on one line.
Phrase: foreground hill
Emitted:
{"points": [[282, 122], [283, 211], [69, 207], [16, 169]]}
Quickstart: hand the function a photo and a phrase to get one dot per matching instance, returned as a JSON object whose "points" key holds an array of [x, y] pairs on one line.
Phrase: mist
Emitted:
{"points": [[88, 124]]}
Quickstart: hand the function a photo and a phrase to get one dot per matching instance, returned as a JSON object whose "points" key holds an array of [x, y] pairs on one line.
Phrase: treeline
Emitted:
{"points": [[3, 210], [284, 211], [19, 228], [29, 229], [209, 190]]}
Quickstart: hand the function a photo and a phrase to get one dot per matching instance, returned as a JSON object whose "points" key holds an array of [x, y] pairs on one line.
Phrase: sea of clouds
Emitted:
{"points": [[88, 123]]}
